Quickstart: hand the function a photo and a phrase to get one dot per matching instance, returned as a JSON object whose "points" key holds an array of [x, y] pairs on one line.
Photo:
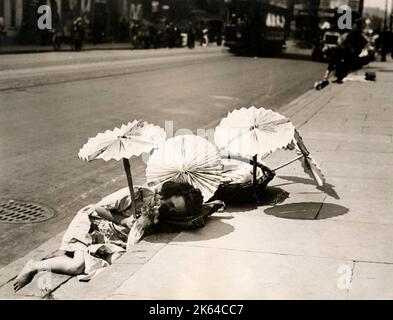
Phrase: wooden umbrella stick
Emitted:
{"points": [[254, 168], [254, 177], [288, 163], [127, 169], [300, 144]]}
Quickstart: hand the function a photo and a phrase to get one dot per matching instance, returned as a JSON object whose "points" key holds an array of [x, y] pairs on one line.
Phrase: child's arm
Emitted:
{"points": [[115, 217]]}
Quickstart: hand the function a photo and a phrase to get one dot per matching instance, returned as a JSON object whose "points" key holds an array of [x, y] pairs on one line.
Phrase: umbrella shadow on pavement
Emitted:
{"points": [[270, 196], [307, 210], [327, 188]]}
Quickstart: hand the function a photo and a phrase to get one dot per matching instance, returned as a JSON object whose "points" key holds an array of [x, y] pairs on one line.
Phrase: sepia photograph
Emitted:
{"points": [[196, 150]]}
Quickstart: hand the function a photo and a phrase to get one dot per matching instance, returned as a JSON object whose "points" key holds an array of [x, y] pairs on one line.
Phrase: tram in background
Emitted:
{"points": [[257, 26]]}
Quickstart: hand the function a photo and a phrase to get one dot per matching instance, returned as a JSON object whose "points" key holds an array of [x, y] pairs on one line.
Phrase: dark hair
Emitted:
{"points": [[192, 196]]}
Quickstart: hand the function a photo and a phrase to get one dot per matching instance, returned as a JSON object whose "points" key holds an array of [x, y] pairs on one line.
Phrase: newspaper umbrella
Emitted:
{"points": [[129, 140], [253, 132], [186, 158]]}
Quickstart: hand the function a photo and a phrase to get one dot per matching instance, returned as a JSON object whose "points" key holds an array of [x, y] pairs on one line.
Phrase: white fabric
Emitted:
{"points": [[238, 172], [78, 237]]}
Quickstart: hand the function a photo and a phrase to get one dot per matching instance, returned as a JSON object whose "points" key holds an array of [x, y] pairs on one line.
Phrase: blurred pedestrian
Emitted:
{"points": [[170, 31], [124, 29], [146, 36], [350, 46], [346, 56], [135, 32], [354, 41], [78, 33], [3, 31], [190, 37], [204, 37], [178, 40], [386, 43], [160, 37]]}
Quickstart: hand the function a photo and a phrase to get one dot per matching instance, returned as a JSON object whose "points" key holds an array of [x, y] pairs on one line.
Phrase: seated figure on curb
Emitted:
{"points": [[345, 57], [101, 233]]}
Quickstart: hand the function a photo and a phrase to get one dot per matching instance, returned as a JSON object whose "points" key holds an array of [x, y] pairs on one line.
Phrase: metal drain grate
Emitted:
{"points": [[14, 211]]}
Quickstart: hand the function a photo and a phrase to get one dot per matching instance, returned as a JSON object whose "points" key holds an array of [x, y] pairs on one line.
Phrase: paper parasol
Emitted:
{"points": [[129, 140], [186, 158]]}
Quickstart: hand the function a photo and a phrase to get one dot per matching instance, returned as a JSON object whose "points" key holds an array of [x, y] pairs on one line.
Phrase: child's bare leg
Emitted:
{"points": [[61, 264], [57, 253], [64, 264]]}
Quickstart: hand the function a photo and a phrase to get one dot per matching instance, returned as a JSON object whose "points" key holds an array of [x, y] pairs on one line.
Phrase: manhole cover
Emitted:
{"points": [[14, 211]]}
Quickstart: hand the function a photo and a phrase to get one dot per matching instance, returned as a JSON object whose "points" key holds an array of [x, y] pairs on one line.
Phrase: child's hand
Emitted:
{"points": [[129, 221], [138, 230]]}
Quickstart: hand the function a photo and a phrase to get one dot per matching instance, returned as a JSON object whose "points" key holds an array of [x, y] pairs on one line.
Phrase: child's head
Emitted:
{"points": [[180, 197]]}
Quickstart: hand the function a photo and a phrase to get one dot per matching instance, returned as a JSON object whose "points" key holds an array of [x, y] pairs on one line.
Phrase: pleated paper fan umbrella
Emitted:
{"points": [[309, 165], [253, 132], [186, 158], [129, 140], [313, 170]]}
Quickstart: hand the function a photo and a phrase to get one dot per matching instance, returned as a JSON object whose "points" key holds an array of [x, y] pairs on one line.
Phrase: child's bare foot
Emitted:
{"points": [[25, 276]]}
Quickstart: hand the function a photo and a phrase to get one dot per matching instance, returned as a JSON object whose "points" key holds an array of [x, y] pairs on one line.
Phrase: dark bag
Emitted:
{"points": [[176, 222]]}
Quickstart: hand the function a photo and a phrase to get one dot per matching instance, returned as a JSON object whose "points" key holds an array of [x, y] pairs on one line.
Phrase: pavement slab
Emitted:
{"points": [[358, 157], [386, 131], [357, 170], [372, 281], [212, 273], [380, 145], [366, 210], [41, 287], [8, 272], [362, 188], [283, 232], [314, 133], [332, 127], [385, 123]]}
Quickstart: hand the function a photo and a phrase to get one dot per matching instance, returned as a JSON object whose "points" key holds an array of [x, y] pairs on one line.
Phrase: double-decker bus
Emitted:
{"points": [[256, 25]]}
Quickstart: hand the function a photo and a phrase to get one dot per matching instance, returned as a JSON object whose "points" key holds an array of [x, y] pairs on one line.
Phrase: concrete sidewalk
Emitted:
{"points": [[304, 243]]}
